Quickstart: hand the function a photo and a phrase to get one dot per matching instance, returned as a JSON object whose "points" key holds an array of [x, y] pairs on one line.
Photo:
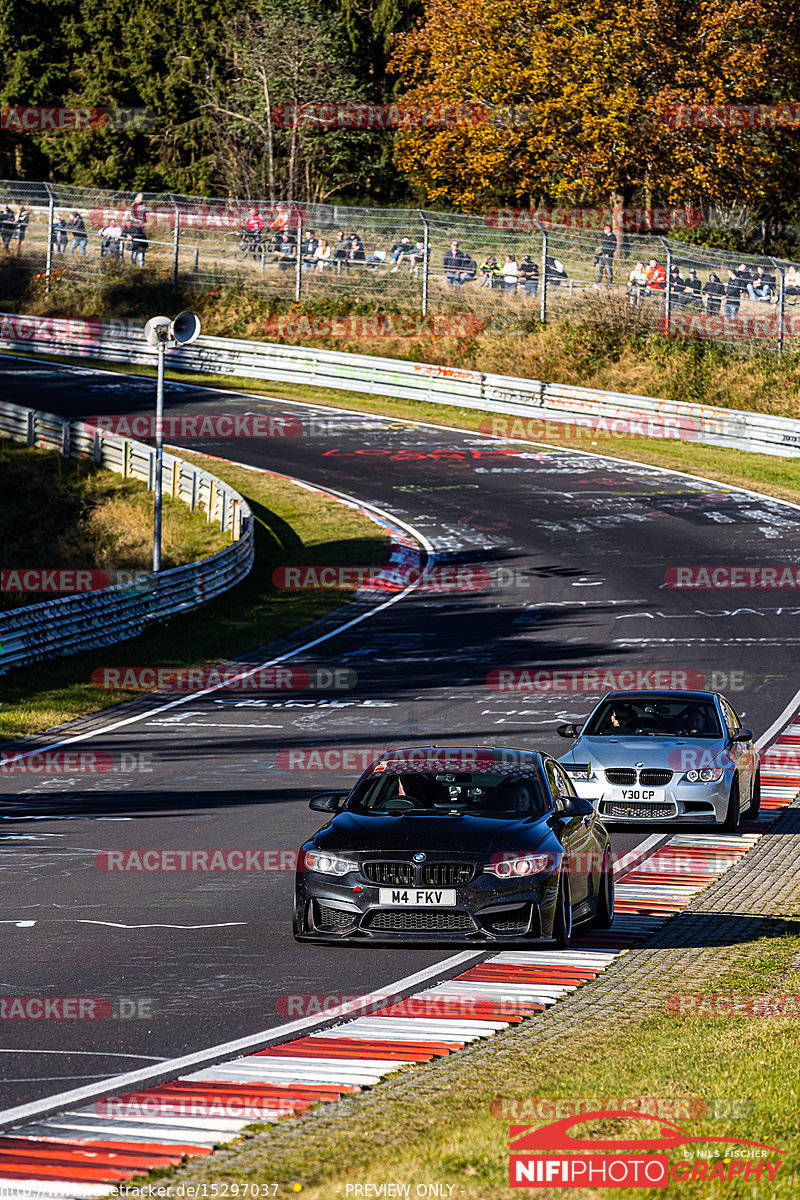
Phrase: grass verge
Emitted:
{"points": [[435, 1124], [293, 526]]}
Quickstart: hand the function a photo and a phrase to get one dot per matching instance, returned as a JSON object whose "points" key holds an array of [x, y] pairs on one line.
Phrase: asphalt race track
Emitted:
{"points": [[576, 547]]}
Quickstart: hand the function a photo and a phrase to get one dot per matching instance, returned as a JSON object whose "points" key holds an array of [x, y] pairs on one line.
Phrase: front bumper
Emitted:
{"points": [[331, 912], [682, 803]]}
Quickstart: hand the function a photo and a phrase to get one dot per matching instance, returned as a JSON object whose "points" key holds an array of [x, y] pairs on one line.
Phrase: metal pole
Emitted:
{"points": [[781, 305], [159, 459], [176, 243], [426, 253], [48, 271], [668, 291], [543, 298], [298, 272]]}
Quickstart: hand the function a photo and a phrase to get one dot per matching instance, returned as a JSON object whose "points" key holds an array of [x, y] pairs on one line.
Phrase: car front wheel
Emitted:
{"points": [[733, 813], [755, 799], [604, 913], [562, 921]]}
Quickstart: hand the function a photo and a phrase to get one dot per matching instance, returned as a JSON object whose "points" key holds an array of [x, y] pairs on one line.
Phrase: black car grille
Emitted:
{"points": [[332, 920], [623, 809], [421, 921], [654, 778], [448, 874], [388, 872], [621, 775]]}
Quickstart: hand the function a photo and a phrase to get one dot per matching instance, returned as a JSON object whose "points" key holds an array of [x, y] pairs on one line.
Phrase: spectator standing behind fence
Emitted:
{"points": [[323, 255], [111, 245], [7, 222], [510, 272], [691, 291], [21, 226], [762, 288], [138, 211], [637, 282], [490, 271], [280, 222], [253, 228], [529, 274], [59, 235], [605, 256], [676, 284], [713, 292], [136, 240], [733, 293], [77, 227], [656, 277]]}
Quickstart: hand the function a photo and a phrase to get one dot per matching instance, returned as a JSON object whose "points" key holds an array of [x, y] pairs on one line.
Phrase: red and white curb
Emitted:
{"points": [[81, 1153]]}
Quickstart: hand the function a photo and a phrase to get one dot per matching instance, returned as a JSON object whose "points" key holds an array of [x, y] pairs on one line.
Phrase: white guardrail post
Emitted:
{"points": [[371, 375], [86, 620]]}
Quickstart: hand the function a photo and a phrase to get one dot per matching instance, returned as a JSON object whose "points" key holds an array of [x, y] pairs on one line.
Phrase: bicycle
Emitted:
{"points": [[249, 243]]}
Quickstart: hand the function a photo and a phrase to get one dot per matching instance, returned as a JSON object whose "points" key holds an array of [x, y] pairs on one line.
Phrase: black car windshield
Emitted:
{"points": [[482, 793], [651, 717]]}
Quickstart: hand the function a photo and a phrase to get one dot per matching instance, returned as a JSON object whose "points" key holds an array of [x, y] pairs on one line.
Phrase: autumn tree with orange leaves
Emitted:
{"points": [[591, 83]]}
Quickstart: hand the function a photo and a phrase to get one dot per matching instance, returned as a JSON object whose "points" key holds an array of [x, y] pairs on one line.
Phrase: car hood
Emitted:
{"points": [[677, 754], [461, 834]]}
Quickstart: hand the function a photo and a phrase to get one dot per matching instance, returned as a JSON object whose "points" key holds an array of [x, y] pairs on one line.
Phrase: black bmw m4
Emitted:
{"points": [[455, 844]]}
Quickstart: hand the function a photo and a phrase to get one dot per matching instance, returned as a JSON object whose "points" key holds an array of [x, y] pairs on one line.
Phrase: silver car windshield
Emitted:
{"points": [[648, 717], [485, 794]]}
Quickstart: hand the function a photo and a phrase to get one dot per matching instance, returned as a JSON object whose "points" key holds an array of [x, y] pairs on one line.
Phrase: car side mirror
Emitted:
{"points": [[575, 806], [326, 801], [743, 735], [568, 731]]}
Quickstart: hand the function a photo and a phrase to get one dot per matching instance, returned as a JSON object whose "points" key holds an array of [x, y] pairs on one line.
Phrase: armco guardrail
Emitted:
{"points": [[35, 632], [504, 394]]}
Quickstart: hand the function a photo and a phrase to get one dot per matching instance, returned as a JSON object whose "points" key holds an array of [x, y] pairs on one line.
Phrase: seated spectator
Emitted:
{"points": [[111, 245], [691, 291], [733, 293], [490, 271], [745, 274], [21, 225], [637, 282], [400, 250], [59, 235], [656, 277], [355, 250], [308, 249], [323, 255], [286, 253], [339, 249], [418, 256], [7, 223], [554, 271], [372, 260], [713, 292], [77, 228], [529, 274], [762, 288], [509, 271], [791, 283]]}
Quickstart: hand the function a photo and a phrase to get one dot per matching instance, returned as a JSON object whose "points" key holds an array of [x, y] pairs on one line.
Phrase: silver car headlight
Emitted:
{"points": [[579, 772], [328, 864], [703, 775]]}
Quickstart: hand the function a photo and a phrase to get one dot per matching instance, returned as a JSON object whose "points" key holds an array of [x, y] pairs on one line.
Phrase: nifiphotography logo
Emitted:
{"points": [[550, 1156]]}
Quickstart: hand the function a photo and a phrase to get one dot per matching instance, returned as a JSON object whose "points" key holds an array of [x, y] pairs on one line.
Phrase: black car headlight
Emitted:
{"points": [[520, 865], [703, 775], [328, 864]]}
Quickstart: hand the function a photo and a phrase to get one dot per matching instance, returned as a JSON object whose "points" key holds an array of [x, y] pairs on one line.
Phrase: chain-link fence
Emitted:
{"points": [[507, 272]]}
